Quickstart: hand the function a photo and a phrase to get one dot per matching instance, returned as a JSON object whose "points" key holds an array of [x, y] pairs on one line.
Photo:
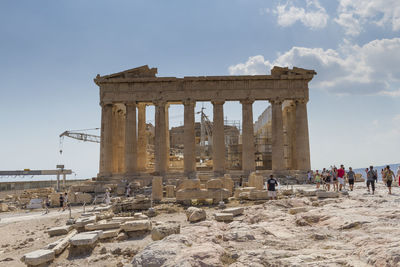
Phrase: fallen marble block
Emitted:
{"points": [[38, 257], [323, 194], [110, 234], [85, 238], [139, 225], [235, 211], [223, 217], [101, 226], [61, 230], [81, 222]]}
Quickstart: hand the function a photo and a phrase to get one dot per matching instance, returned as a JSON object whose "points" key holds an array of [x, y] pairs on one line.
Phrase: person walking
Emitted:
{"points": [[351, 178], [340, 176], [65, 201], [334, 179], [317, 178], [371, 178], [61, 201], [389, 176], [107, 198], [272, 183], [46, 205]]}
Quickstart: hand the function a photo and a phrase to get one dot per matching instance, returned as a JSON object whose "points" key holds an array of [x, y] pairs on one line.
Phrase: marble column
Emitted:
{"points": [[167, 135], [108, 140], [302, 138], [142, 138], [101, 161], [291, 132], [218, 137], [278, 162], [160, 143], [130, 139], [248, 149], [189, 149]]}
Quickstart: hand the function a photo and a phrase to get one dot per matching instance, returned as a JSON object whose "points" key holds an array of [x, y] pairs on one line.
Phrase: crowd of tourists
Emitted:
{"points": [[336, 178]]}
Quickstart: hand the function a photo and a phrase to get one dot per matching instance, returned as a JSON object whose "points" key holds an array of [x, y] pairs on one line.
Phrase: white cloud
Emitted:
{"points": [[313, 15], [353, 14], [351, 69]]}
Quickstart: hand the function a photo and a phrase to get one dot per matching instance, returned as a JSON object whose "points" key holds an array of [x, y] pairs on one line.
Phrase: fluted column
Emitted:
{"points": [[302, 138], [130, 139], [142, 138], [189, 148], [291, 132], [167, 151], [101, 161], [248, 149], [278, 162], [160, 143], [218, 137], [108, 140]]}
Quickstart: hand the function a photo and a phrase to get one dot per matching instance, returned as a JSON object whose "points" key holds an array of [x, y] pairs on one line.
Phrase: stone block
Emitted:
{"points": [[82, 221], [297, 210], [62, 244], [110, 233], [223, 217], [102, 225], [214, 184], [35, 203], [189, 184], [235, 211], [323, 194], [187, 194], [85, 238], [238, 191], [256, 180], [165, 229], [170, 191], [61, 230], [194, 214], [3, 207], [228, 183], [218, 194], [258, 195], [286, 192], [157, 188], [38, 257], [54, 199], [139, 225]]}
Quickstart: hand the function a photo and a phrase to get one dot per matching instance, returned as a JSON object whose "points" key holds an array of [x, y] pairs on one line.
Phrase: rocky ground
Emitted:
{"points": [[358, 229]]}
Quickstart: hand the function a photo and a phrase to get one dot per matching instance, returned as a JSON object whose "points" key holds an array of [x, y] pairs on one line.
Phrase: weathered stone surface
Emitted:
{"points": [[214, 184], [35, 203], [235, 211], [165, 229], [238, 191], [157, 188], [61, 230], [170, 191], [223, 217], [297, 210], [187, 194], [85, 238], [3, 207], [39, 257], [189, 184], [256, 180], [102, 225], [83, 198], [63, 243], [228, 183], [194, 214], [82, 221], [110, 233], [258, 195], [139, 225], [323, 194]]}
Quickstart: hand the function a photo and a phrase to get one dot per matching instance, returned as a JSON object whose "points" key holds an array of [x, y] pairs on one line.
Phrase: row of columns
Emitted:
{"points": [[135, 147]]}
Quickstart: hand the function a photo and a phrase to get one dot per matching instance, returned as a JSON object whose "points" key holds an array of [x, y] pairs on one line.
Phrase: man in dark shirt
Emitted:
{"points": [[272, 183], [351, 177]]}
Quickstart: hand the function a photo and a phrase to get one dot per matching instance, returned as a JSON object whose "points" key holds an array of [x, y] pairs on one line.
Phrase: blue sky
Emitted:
{"points": [[51, 51]]}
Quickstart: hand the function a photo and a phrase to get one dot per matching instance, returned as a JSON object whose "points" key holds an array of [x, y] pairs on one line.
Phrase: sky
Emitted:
{"points": [[51, 51]]}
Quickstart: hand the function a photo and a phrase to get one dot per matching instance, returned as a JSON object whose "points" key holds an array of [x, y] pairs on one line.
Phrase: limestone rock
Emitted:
{"points": [[62, 230], [157, 188], [214, 184], [297, 210], [39, 257], [194, 214], [85, 238], [160, 231], [329, 194], [170, 191], [223, 217], [139, 225], [256, 180], [189, 184], [235, 211]]}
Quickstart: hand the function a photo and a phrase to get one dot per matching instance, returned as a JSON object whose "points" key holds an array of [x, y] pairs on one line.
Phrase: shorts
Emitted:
{"points": [[61, 204], [389, 183], [328, 180], [341, 181], [351, 181], [334, 179], [271, 193]]}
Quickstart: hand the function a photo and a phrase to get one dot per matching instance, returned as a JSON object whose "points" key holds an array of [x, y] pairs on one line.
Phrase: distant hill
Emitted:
{"points": [[393, 167]]}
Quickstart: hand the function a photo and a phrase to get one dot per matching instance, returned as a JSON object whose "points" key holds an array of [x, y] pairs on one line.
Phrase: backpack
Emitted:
{"points": [[389, 176]]}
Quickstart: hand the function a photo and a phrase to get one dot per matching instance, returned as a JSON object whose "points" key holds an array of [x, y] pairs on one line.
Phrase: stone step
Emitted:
{"points": [[38, 257]]}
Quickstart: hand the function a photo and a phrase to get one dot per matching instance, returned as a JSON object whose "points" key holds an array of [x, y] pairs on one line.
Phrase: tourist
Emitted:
{"points": [[317, 179], [309, 176], [389, 176], [272, 183], [333, 174], [351, 176], [61, 201], [383, 173], [340, 176], [46, 205], [371, 177], [65, 201], [128, 191]]}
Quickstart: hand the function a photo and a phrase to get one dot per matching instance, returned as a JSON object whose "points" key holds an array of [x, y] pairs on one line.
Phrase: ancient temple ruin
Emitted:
{"points": [[123, 132]]}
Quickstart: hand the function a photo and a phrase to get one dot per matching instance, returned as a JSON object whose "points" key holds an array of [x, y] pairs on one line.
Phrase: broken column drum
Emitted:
{"points": [[139, 87]]}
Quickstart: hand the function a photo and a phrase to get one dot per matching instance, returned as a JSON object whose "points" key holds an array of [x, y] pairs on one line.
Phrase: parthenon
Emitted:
{"points": [[123, 139]]}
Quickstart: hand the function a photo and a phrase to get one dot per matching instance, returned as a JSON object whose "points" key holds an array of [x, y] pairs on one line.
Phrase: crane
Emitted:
{"points": [[79, 135], [205, 128]]}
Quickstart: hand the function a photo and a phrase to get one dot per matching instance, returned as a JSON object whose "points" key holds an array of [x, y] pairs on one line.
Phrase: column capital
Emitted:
{"points": [[218, 102], [130, 103], [247, 101], [301, 101], [106, 103], [159, 102], [276, 101]]}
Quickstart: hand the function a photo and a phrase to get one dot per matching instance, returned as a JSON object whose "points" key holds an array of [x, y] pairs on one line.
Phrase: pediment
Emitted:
{"points": [[139, 72]]}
